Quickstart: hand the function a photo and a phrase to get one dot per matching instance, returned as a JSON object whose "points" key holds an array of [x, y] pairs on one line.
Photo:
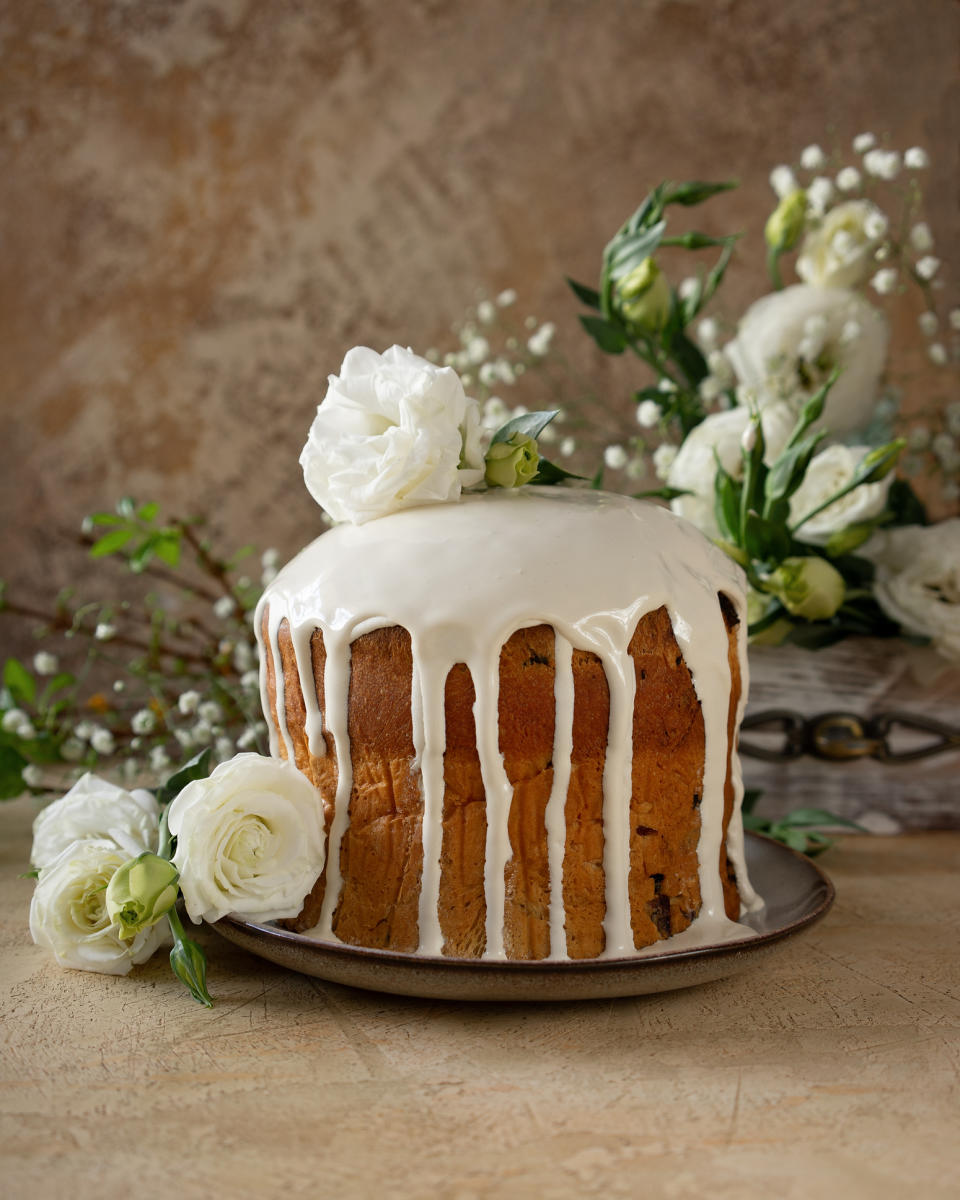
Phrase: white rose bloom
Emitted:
{"points": [[770, 352], [94, 808], [390, 435], [720, 435], [250, 839], [918, 580], [840, 251], [68, 913], [828, 472]]}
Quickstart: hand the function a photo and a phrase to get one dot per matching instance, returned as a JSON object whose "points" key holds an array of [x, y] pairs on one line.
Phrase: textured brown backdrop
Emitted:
{"points": [[204, 204]]}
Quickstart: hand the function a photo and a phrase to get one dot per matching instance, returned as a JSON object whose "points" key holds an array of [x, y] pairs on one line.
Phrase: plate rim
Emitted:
{"points": [[569, 967]]}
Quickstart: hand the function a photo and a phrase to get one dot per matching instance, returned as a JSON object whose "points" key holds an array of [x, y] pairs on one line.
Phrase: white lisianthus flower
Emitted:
{"points": [[94, 808], [772, 352], [840, 251], [828, 472], [250, 839], [720, 436], [68, 913], [918, 580], [392, 432]]}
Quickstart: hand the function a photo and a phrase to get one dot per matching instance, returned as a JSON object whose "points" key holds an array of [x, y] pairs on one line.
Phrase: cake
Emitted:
{"points": [[520, 711]]}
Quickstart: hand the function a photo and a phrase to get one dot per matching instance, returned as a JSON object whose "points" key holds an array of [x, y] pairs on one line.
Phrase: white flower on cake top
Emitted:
{"points": [[394, 431]]}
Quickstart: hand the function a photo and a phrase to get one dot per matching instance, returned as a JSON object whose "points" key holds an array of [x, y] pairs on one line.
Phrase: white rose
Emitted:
{"points": [[94, 808], [394, 431], [790, 342], [828, 472], [250, 839], [719, 436], [68, 913], [840, 251], [918, 580]]}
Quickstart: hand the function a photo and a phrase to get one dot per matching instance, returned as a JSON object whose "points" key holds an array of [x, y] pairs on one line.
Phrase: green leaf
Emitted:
{"points": [[197, 768], [111, 542], [527, 424], [905, 505], [694, 241], [12, 763], [817, 816], [608, 337], [628, 251], [812, 410], [754, 477], [188, 961], [549, 473], [147, 512], [717, 272], [695, 191], [726, 504], [765, 541], [878, 463], [787, 472], [596, 483], [794, 838], [662, 493], [104, 518], [34, 874], [167, 549], [688, 357], [21, 683], [750, 798], [590, 296]]}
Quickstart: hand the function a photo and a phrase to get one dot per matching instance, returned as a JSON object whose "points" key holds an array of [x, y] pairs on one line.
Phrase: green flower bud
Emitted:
{"points": [[785, 223], [845, 541], [643, 297], [140, 893], [807, 587], [880, 462], [513, 462]]}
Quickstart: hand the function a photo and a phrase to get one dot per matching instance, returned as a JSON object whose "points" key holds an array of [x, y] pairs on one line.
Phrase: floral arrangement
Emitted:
{"points": [[778, 444], [111, 864]]}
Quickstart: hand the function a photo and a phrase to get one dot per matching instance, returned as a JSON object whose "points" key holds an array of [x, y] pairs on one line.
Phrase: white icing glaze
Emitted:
{"points": [[590, 564]]}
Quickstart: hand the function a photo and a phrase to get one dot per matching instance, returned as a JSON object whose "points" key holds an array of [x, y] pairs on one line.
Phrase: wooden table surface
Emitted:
{"points": [[829, 1071]]}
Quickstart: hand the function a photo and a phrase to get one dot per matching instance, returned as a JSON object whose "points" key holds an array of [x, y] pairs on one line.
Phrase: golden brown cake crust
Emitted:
{"points": [[381, 851]]}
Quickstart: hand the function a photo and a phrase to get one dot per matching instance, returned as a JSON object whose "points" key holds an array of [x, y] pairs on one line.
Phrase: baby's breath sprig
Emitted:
{"points": [[149, 682]]}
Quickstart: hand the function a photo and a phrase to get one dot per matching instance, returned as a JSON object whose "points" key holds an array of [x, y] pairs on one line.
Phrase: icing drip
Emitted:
{"points": [[336, 689], [589, 564]]}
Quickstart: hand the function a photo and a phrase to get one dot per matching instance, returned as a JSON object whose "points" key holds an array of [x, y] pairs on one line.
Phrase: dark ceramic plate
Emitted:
{"points": [[797, 895]]}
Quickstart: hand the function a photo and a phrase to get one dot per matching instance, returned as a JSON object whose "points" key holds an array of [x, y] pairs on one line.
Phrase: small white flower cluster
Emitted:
{"points": [[846, 239], [496, 351]]}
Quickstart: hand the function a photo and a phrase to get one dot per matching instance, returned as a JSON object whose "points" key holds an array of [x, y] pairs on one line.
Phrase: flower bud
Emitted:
{"points": [[808, 587], [140, 893], [644, 296], [513, 462], [785, 223]]}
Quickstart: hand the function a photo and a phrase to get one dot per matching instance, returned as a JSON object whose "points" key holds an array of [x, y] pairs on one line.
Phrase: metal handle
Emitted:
{"points": [[844, 737]]}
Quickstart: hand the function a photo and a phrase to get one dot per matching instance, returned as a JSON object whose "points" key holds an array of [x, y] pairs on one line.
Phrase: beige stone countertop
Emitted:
{"points": [[830, 1070]]}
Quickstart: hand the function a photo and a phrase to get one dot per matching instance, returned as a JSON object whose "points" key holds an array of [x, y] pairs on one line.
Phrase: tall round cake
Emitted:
{"points": [[520, 710]]}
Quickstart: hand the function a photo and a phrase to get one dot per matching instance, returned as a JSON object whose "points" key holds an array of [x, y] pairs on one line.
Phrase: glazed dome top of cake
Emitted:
{"points": [[460, 578]]}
